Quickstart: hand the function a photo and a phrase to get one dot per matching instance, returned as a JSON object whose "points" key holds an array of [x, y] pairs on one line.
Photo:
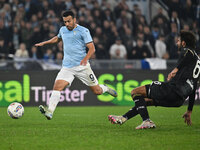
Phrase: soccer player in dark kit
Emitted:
{"points": [[181, 83]]}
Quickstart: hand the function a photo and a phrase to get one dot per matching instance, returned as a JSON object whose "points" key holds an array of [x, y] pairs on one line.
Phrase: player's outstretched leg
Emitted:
{"points": [[111, 91], [117, 119], [46, 112], [147, 124]]}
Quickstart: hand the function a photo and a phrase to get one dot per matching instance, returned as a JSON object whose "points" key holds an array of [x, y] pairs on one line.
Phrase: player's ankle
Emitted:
{"points": [[124, 119]]}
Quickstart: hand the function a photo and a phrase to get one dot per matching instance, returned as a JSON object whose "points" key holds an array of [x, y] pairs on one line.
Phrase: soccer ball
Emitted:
{"points": [[15, 110]]}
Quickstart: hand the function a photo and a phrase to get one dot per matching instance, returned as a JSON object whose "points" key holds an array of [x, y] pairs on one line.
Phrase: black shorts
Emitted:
{"points": [[164, 94]]}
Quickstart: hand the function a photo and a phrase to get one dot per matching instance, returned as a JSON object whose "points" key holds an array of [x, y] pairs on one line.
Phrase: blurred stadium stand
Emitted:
{"points": [[34, 65], [26, 22]]}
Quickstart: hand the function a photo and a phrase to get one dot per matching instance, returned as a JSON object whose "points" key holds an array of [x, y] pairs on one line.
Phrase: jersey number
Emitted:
{"points": [[91, 77], [196, 70], [157, 82]]}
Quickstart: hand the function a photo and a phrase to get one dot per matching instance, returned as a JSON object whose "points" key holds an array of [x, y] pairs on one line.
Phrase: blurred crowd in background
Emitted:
{"points": [[118, 32]]}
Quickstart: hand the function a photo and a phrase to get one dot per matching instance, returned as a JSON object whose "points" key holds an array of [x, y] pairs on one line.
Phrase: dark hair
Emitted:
{"points": [[189, 38], [68, 13]]}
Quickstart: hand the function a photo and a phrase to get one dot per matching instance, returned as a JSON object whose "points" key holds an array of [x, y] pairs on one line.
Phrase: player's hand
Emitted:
{"points": [[172, 74], [169, 77], [187, 117], [39, 44], [83, 62]]}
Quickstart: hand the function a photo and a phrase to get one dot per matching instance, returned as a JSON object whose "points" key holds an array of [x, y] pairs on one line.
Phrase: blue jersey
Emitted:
{"points": [[74, 44]]}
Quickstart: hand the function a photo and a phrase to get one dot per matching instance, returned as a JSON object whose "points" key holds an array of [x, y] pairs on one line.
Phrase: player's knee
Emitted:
{"points": [[134, 94], [97, 91], [60, 85], [58, 88]]}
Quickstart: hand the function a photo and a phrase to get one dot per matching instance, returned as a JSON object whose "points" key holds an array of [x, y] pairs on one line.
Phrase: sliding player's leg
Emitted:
{"points": [[138, 95]]}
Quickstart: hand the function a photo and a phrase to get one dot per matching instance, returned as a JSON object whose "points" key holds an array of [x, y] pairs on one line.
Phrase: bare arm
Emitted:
{"points": [[188, 113], [53, 40], [91, 51]]}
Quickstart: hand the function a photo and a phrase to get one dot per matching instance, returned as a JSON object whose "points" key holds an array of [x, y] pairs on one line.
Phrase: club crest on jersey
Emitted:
{"points": [[74, 32]]}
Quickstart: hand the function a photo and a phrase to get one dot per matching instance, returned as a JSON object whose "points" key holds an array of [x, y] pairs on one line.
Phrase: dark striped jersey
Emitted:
{"points": [[188, 73], [188, 67]]}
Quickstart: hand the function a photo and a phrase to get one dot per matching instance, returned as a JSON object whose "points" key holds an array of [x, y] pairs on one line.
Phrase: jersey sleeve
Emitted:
{"points": [[192, 98], [186, 59], [59, 34], [86, 36]]}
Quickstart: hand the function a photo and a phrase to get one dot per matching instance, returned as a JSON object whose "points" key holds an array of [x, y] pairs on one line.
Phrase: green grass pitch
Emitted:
{"points": [[87, 128]]}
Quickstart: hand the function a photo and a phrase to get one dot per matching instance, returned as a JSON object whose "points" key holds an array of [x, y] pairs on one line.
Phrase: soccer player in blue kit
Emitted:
{"points": [[75, 39]]}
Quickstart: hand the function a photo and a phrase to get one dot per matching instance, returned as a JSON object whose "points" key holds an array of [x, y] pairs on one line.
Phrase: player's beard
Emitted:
{"points": [[70, 28]]}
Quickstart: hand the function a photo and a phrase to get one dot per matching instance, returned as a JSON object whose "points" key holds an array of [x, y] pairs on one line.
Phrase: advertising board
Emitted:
{"points": [[32, 88]]}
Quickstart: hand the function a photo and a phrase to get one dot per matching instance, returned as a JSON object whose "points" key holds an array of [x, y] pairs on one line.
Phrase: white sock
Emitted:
{"points": [[54, 100], [104, 88]]}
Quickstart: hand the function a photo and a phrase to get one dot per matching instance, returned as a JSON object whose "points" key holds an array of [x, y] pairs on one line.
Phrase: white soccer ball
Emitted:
{"points": [[15, 110]]}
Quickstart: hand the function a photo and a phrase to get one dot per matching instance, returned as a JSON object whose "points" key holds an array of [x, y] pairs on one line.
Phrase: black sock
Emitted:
{"points": [[140, 104], [131, 113]]}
